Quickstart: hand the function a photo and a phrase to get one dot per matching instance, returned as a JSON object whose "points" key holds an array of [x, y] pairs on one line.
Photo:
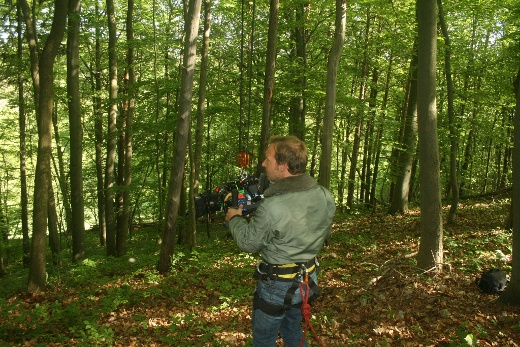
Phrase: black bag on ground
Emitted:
{"points": [[492, 281]]}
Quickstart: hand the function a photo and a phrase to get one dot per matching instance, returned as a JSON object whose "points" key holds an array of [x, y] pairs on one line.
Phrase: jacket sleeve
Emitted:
{"points": [[254, 236]]}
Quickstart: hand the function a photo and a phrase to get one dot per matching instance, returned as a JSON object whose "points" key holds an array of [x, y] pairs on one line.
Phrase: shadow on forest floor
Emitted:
{"points": [[373, 295]]}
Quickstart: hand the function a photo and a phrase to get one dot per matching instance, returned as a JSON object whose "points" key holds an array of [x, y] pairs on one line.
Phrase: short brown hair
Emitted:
{"points": [[292, 151]]}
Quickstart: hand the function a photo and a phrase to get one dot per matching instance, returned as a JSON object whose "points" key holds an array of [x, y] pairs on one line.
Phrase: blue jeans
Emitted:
{"points": [[266, 327]]}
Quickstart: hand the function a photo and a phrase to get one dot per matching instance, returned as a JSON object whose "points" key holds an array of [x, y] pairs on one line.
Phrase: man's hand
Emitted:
{"points": [[231, 212]]}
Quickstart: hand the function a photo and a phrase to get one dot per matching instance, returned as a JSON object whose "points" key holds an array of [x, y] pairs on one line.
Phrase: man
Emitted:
{"points": [[289, 228]]}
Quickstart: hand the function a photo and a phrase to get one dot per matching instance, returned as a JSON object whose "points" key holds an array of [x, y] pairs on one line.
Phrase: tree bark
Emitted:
{"points": [[54, 234], [181, 136], [37, 273], [330, 93], [360, 119], [26, 244], [454, 137], [196, 155], [123, 229], [111, 133], [430, 249], [270, 64], [405, 160], [98, 135], [511, 295], [299, 57], [76, 134]]}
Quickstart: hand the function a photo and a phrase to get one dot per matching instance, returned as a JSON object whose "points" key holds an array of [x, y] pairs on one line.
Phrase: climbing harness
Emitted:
{"points": [[298, 274]]}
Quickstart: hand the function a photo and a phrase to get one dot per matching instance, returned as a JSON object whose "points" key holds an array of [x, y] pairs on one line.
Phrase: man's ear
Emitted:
{"points": [[283, 167]]}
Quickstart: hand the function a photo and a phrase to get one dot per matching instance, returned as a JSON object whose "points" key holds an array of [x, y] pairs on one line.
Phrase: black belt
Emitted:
{"points": [[284, 272]]}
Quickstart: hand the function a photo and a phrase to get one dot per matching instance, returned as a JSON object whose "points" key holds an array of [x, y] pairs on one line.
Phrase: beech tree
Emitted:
{"points": [[270, 64], [430, 248], [111, 132], [511, 295], [405, 159], [76, 133], [330, 99], [181, 136], [37, 273]]}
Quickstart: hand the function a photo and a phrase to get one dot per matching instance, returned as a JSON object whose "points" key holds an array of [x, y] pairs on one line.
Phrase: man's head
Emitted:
{"points": [[285, 156]]}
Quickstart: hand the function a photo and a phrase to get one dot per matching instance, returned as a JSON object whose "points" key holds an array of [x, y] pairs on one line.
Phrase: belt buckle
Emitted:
{"points": [[260, 271]]}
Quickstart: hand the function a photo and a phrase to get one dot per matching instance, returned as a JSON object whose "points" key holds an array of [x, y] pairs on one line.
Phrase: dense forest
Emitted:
{"points": [[118, 114]]}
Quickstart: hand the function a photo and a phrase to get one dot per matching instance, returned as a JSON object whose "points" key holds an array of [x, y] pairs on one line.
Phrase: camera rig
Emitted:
{"points": [[245, 190]]}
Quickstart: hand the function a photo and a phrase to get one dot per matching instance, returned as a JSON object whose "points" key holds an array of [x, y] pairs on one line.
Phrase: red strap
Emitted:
{"points": [[306, 312]]}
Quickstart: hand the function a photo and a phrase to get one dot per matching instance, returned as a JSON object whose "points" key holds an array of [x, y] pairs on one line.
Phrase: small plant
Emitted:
{"points": [[94, 335], [463, 339]]}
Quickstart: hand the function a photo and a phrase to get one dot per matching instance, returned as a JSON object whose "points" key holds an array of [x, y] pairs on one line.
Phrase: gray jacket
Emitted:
{"points": [[290, 225]]}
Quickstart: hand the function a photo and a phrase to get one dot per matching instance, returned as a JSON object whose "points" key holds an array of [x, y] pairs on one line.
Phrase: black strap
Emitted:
{"points": [[274, 271], [275, 310], [296, 284]]}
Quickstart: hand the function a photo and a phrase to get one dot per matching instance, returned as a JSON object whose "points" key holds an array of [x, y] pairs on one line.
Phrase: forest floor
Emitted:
{"points": [[373, 294]]}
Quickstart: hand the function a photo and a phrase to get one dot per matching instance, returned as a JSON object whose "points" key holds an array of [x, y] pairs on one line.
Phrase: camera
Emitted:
{"points": [[245, 190]]}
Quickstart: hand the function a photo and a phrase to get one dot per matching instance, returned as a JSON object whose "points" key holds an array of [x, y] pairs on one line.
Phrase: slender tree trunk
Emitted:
{"points": [[330, 93], [124, 227], [54, 235], [511, 295], [98, 133], [76, 134], [299, 57], [379, 136], [270, 64], [181, 138], [370, 141], [26, 244], [37, 273], [406, 157], [201, 108], [111, 132], [430, 249], [196, 157], [454, 137], [61, 174], [343, 137], [316, 142], [360, 118]]}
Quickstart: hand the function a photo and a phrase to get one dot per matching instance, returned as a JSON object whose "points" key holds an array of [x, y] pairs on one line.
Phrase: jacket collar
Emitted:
{"points": [[290, 184]]}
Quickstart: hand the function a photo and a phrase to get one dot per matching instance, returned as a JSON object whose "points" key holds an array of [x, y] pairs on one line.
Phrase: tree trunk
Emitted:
{"points": [[330, 93], [123, 229], [201, 108], [454, 137], [37, 273], [196, 155], [54, 234], [76, 134], [60, 171], [370, 142], [379, 145], [511, 295], [181, 136], [270, 64], [430, 248], [111, 132], [299, 57], [98, 134], [26, 244], [360, 119], [405, 159]]}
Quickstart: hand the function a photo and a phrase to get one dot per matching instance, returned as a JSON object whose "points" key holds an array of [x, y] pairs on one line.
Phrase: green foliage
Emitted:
{"points": [[463, 339]]}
